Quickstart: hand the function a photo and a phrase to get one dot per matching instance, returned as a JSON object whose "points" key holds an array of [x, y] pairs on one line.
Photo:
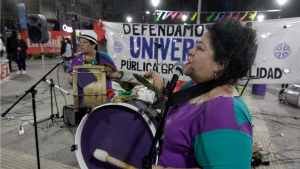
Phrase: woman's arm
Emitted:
{"points": [[24, 46], [160, 167], [71, 79], [114, 75]]}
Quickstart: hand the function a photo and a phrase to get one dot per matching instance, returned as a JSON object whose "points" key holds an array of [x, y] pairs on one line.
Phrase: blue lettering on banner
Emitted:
{"points": [[174, 49], [145, 46], [282, 51], [186, 48], [132, 48], [164, 48]]}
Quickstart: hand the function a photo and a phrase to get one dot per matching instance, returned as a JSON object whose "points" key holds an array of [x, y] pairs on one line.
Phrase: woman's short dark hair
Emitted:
{"points": [[92, 43], [234, 47]]}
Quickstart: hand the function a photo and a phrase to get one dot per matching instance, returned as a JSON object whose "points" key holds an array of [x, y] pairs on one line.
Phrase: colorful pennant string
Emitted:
{"points": [[179, 16], [173, 15], [252, 16], [169, 14], [209, 18], [165, 15], [193, 18], [216, 18], [243, 17], [230, 15], [237, 16], [159, 15], [222, 17]]}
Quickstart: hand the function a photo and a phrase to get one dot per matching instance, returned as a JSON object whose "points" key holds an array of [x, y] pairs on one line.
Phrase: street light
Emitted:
{"points": [[129, 19], [184, 18], [260, 17], [147, 12], [155, 3], [281, 2]]}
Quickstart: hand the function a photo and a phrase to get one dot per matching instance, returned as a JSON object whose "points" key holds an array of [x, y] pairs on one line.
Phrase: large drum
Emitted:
{"points": [[290, 95], [89, 86], [117, 128]]}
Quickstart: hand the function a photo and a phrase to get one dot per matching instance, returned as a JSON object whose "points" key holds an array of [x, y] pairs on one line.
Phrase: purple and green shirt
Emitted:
{"points": [[104, 59], [213, 134]]}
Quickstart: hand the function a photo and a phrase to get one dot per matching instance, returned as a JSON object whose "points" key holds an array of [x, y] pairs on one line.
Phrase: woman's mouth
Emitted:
{"points": [[187, 63]]}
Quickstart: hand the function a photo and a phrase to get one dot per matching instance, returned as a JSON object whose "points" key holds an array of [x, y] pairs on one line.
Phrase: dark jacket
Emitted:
{"points": [[63, 48], [9, 48], [22, 44]]}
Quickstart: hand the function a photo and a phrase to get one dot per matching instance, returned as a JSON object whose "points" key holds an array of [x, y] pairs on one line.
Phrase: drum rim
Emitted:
{"points": [[78, 153]]}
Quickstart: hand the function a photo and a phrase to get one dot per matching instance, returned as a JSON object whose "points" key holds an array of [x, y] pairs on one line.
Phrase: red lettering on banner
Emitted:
{"points": [[53, 45], [4, 70]]}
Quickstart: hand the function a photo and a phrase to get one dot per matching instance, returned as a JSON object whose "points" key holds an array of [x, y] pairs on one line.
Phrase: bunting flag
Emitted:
{"points": [[98, 30], [243, 17], [237, 16], [187, 16], [179, 16], [209, 18], [165, 16], [193, 18], [173, 15], [222, 17], [216, 18], [252, 16], [230, 15], [159, 15], [169, 14]]}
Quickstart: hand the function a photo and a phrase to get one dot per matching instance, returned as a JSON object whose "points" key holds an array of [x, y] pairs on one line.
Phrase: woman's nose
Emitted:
{"points": [[192, 51]]}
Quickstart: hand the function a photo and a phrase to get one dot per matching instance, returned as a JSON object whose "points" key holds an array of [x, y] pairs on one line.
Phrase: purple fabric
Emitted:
{"points": [[185, 121], [120, 131], [84, 79], [103, 60]]}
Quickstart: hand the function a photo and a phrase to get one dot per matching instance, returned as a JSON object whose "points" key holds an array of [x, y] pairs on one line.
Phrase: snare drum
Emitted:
{"points": [[118, 129], [145, 94], [89, 86]]}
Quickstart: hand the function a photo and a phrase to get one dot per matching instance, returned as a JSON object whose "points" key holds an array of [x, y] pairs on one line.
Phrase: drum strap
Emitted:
{"points": [[98, 58], [186, 94]]}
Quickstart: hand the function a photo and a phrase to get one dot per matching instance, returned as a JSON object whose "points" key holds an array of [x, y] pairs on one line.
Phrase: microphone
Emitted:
{"points": [[179, 68], [74, 55], [104, 157]]}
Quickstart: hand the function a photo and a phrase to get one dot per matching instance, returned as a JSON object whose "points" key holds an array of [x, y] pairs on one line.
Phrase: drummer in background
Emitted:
{"points": [[89, 50]]}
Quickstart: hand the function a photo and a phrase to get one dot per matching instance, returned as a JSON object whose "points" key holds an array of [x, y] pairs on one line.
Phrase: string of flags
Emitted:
{"points": [[213, 16]]}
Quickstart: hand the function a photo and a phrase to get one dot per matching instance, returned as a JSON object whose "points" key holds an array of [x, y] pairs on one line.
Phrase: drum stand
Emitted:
{"points": [[33, 93], [53, 117]]}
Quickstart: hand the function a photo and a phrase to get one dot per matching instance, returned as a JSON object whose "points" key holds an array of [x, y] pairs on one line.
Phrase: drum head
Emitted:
{"points": [[117, 129]]}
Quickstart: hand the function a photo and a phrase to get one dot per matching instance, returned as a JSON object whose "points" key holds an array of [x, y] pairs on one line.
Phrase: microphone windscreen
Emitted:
{"points": [[180, 64]]}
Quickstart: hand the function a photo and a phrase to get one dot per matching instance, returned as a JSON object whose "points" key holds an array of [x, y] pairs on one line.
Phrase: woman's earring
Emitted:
{"points": [[216, 76]]}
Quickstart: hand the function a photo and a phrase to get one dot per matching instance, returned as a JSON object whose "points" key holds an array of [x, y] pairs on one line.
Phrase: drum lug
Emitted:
{"points": [[74, 147], [141, 112]]}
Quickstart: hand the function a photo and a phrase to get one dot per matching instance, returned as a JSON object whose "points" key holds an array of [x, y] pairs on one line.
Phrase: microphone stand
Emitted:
{"points": [[33, 93], [147, 160], [156, 52]]}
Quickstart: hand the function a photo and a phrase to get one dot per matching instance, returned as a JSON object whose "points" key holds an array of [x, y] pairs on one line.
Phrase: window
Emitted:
{"points": [[48, 6], [85, 12]]}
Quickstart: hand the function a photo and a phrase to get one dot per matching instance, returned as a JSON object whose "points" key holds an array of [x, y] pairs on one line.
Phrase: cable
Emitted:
{"points": [[59, 85]]}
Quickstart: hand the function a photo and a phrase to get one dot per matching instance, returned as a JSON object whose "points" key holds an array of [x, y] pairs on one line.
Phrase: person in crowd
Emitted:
{"points": [[62, 45], [89, 50], [2, 48], [68, 53], [20, 47], [10, 50], [213, 130]]}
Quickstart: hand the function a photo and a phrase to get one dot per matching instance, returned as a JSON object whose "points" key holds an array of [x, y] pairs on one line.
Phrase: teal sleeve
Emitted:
{"points": [[186, 85], [217, 149]]}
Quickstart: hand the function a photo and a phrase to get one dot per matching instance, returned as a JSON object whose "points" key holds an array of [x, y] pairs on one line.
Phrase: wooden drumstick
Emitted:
{"points": [[104, 157]]}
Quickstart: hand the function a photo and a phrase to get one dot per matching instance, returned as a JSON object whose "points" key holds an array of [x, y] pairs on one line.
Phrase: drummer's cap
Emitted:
{"points": [[90, 35]]}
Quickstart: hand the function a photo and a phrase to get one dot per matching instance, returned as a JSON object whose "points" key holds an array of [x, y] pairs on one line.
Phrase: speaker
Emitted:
{"points": [[37, 28], [71, 116]]}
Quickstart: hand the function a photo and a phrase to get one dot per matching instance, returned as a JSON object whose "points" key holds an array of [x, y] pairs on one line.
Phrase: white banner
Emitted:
{"points": [[133, 48]]}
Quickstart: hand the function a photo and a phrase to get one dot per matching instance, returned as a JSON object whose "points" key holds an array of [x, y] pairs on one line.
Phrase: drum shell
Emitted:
{"points": [[108, 128], [98, 87], [292, 95]]}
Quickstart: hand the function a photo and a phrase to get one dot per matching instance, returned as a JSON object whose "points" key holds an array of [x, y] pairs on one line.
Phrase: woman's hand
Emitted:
{"points": [[157, 167], [157, 82]]}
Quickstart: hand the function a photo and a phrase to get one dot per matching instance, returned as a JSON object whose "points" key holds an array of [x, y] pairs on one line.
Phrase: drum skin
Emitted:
{"points": [[87, 83], [117, 129]]}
